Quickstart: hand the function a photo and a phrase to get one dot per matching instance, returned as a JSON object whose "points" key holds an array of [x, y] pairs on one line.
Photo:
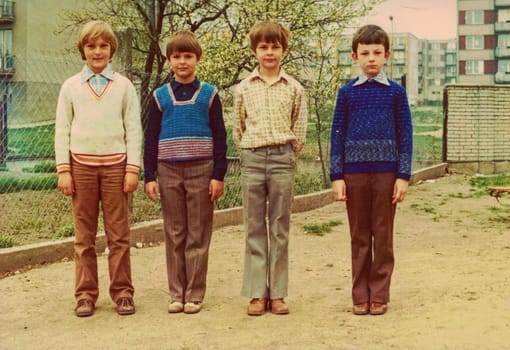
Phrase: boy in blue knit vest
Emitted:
{"points": [[370, 168], [185, 163]]}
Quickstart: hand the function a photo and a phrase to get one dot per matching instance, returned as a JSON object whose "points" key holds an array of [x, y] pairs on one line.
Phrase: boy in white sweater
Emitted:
{"points": [[98, 137]]}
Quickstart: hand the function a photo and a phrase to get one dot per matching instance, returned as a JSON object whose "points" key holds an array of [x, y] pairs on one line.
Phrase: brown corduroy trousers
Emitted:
{"points": [[371, 215], [93, 185]]}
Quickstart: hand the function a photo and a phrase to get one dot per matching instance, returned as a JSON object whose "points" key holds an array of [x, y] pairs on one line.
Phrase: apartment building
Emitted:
{"points": [[484, 41], [437, 67]]}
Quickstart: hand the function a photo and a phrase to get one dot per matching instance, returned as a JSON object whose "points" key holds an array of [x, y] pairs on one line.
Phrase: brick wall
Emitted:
{"points": [[477, 124]]}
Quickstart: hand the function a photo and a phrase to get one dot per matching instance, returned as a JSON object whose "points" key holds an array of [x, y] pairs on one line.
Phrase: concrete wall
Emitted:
{"points": [[477, 131]]}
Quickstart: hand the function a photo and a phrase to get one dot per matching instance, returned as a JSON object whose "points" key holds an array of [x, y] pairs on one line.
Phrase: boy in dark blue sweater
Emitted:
{"points": [[185, 162], [370, 168]]}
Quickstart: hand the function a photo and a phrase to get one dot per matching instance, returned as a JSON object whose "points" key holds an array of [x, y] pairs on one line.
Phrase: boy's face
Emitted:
{"points": [[371, 58], [97, 54], [183, 65], [269, 55]]}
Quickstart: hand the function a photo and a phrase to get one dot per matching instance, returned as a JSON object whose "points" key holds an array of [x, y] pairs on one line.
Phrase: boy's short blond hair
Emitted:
{"points": [[93, 30], [183, 41], [270, 32]]}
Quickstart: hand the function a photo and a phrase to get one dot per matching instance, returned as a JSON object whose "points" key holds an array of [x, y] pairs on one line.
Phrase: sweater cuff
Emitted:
{"points": [[134, 169]]}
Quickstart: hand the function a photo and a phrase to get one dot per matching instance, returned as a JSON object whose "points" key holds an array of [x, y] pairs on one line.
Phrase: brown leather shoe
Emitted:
{"points": [[257, 307], [84, 308], [361, 309], [378, 308], [279, 307], [125, 306]]}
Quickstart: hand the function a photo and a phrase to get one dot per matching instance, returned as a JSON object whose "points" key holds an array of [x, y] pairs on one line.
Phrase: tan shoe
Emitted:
{"points": [[175, 307], [361, 309], [257, 307], [125, 306], [193, 307], [84, 308], [378, 308], [279, 307]]}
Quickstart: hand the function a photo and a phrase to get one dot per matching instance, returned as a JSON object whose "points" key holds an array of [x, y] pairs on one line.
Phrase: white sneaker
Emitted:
{"points": [[192, 308], [175, 306]]}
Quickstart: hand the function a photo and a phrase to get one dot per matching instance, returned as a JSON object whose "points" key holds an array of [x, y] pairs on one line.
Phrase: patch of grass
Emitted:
{"points": [[65, 231], [4, 168], [7, 241], [43, 167], [321, 229], [37, 183], [36, 142], [480, 183]]}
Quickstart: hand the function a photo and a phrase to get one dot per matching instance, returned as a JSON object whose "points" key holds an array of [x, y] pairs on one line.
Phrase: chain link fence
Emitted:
{"points": [[32, 208]]}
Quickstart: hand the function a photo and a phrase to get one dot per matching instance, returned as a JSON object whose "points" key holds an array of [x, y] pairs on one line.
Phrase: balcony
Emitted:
{"points": [[502, 52], [6, 11], [502, 77], [502, 3], [502, 27]]}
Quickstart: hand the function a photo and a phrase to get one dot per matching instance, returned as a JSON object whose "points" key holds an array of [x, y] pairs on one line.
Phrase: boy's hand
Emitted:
{"points": [[215, 189], [130, 182], [400, 190], [339, 193], [65, 183], [152, 190]]}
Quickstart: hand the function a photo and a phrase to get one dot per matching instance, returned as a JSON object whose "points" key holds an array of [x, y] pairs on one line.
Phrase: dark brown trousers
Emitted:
{"points": [[371, 215]]}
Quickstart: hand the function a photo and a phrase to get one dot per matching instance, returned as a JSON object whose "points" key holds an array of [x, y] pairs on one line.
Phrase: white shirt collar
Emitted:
{"points": [[380, 78]]}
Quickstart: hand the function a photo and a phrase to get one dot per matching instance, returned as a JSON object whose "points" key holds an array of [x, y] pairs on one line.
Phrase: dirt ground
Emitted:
{"points": [[450, 289]]}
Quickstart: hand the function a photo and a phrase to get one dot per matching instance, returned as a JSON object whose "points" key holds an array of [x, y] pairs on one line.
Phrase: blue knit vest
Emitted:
{"points": [[185, 129]]}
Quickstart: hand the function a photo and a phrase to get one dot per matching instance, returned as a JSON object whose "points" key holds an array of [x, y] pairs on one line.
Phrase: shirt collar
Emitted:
{"points": [[380, 78], [175, 84], [87, 73], [256, 75]]}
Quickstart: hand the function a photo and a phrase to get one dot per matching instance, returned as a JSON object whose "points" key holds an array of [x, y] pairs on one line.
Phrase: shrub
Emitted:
{"points": [[7, 241]]}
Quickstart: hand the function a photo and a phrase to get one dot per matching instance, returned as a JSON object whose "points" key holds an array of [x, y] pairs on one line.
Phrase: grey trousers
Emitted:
{"points": [[267, 177], [187, 220]]}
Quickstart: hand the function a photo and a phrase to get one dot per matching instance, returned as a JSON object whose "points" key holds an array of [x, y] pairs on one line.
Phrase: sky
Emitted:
{"points": [[425, 19]]}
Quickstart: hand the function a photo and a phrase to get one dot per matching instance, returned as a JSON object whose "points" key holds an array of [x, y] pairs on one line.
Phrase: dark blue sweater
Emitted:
{"points": [[371, 130]]}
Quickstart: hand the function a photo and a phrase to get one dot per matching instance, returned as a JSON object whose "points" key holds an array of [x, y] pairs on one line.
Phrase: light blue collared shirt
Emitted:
{"points": [[97, 81], [380, 78]]}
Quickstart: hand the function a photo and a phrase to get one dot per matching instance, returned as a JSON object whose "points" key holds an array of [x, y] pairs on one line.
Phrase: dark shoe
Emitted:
{"points": [[378, 308], [361, 309], [84, 308], [192, 307], [125, 306], [279, 307], [257, 307]]}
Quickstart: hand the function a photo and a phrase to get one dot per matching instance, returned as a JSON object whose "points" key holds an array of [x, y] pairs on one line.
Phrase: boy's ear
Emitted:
{"points": [[354, 56], [387, 54]]}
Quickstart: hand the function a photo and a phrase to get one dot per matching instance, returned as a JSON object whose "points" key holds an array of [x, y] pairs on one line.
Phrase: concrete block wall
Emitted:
{"points": [[477, 128]]}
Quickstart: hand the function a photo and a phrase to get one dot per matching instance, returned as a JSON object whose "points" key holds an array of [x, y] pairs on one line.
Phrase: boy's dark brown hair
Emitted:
{"points": [[270, 32], [370, 34], [93, 30], [184, 41]]}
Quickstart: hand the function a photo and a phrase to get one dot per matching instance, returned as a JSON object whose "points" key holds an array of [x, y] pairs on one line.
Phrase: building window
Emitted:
{"points": [[504, 66], [451, 70], [474, 67], [451, 59], [6, 59], [503, 15], [474, 42], [504, 41], [474, 17]]}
